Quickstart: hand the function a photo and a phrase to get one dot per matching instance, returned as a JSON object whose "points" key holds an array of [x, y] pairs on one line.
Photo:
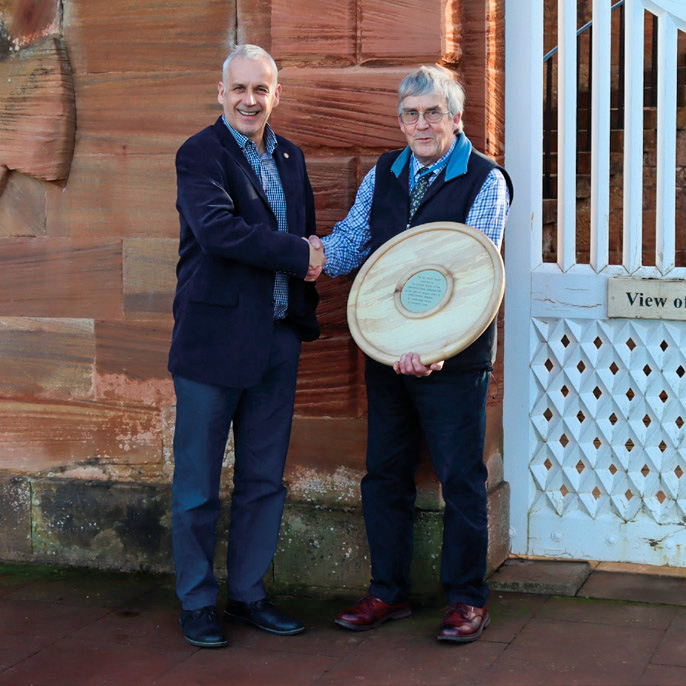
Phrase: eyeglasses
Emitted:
{"points": [[432, 116]]}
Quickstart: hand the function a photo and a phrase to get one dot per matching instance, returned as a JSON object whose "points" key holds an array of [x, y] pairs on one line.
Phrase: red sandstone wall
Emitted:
{"points": [[87, 267]]}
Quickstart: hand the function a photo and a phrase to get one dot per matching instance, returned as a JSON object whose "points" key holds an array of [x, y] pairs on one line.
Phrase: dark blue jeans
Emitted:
{"points": [[262, 417], [447, 408]]}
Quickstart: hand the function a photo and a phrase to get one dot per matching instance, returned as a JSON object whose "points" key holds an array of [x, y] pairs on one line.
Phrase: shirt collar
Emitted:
{"points": [[455, 160], [243, 141], [433, 168]]}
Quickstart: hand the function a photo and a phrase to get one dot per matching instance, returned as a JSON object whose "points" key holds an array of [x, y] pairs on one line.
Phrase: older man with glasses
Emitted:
{"points": [[437, 177]]}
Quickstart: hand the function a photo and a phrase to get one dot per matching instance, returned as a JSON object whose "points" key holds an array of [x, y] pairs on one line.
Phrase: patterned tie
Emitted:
{"points": [[271, 182], [420, 186]]}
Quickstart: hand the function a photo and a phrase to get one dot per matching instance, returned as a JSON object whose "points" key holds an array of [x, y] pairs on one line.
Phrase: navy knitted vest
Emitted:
{"points": [[444, 201]]}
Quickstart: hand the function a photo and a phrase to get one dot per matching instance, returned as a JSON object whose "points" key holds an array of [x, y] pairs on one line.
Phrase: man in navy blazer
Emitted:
{"points": [[245, 300]]}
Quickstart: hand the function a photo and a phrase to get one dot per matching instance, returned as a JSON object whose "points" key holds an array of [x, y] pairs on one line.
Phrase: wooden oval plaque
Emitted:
{"points": [[432, 289]]}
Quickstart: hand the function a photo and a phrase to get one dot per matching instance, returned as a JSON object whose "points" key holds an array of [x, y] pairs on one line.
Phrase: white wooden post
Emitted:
{"points": [[523, 241], [600, 136], [566, 135], [633, 136], [665, 215]]}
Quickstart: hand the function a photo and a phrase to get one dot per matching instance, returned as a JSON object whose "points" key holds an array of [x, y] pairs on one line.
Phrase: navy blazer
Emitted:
{"points": [[230, 248]]}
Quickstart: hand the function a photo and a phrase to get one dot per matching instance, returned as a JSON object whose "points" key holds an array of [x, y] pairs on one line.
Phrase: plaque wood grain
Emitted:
{"points": [[475, 276]]}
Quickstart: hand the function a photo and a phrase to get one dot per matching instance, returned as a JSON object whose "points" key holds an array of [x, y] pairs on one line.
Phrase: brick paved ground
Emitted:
{"points": [[66, 627]]}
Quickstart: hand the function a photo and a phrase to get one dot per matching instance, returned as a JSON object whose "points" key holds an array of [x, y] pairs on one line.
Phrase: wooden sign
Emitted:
{"points": [[432, 290], [646, 298]]}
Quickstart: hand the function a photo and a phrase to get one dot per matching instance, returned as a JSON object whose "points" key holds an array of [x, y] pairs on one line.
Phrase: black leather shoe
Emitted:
{"points": [[265, 616], [201, 627]]}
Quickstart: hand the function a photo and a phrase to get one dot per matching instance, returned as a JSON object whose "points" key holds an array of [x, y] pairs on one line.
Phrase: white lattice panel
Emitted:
{"points": [[601, 471], [607, 441]]}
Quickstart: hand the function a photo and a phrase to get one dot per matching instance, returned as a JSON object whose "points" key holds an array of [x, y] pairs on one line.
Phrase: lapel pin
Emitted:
{"points": [[285, 155]]}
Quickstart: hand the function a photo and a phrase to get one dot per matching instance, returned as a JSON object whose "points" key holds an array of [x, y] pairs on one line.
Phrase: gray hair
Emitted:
{"points": [[429, 80], [249, 52]]}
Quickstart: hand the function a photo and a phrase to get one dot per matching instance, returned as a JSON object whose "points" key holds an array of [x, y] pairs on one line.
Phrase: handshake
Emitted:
{"points": [[409, 364], [317, 258]]}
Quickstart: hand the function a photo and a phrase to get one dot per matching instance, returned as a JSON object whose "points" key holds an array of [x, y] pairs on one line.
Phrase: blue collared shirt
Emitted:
{"points": [[347, 247], [265, 169]]}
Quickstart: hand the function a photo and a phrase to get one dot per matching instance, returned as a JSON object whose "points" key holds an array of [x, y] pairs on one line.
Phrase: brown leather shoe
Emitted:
{"points": [[370, 612], [463, 623]]}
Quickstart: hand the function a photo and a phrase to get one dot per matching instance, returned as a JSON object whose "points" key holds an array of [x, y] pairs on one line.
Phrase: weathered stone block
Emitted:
{"points": [[329, 378], [321, 549], [56, 277], [15, 514], [426, 562], [493, 446], [85, 439], [22, 206], [313, 27], [333, 303], [326, 461], [148, 35], [46, 358], [126, 526], [168, 414], [136, 349], [37, 114], [141, 113], [318, 476], [474, 71], [28, 26], [325, 550], [429, 495], [108, 525], [498, 526], [423, 30], [254, 23], [340, 108], [116, 195], [131, 362], [554, 577], [494, 464], [326, 453], [481, 70], [149, 277], [681, 112], [368, 161], [333, 182], [333, 485]]}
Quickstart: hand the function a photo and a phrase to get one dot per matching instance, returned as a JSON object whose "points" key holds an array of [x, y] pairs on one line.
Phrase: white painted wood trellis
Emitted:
{"points": [[594, 408]]}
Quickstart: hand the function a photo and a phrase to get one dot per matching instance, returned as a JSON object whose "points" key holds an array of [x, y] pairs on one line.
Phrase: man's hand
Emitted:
{"points": [[317, 258], [410, 364]]}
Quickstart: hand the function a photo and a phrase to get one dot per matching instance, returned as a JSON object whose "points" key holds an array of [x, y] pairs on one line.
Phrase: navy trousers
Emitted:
{"points": [[447, 408], [262, 417]]}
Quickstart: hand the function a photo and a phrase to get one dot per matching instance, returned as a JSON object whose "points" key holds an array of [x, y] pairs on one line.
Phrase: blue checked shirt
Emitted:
{"points": [[347, 247], [265, 169]]}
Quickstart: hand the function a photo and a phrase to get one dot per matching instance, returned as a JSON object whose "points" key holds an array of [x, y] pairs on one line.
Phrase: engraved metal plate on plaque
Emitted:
{"points": [[423, 291]]}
